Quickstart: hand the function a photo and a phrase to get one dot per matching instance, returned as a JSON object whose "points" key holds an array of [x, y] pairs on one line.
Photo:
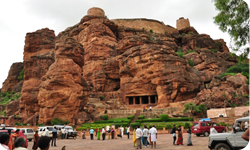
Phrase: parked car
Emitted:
{"points": [[41, 130], [28, 132], [229, 141], [69, 131], [6, 132], [203, 128]]}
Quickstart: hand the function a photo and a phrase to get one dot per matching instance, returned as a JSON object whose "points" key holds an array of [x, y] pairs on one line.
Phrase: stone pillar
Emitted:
{"points": [[133, 100], [140, 100], [149, 100]]}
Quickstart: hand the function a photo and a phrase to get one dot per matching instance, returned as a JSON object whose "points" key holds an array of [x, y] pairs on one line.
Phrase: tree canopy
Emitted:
{"points": [[233, 17]]}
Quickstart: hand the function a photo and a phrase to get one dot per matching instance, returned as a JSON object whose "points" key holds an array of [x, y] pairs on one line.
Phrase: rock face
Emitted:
{"points": [[38, 56], [62, 92], [12, 79], [127, 64]]}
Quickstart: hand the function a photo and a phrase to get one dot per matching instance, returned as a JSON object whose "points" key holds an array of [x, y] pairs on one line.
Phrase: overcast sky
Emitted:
{"points": [[18, 17]]}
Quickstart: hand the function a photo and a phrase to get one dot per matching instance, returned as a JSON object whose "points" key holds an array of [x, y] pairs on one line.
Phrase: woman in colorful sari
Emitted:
{"points": [[20, 134], [180, 137], [99, 134], [12, 139], [134, 138], [36, 138]]}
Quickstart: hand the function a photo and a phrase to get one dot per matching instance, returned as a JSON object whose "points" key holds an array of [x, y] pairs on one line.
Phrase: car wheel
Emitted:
{"points": [[222, 146], [197, 134], [206, 134]]}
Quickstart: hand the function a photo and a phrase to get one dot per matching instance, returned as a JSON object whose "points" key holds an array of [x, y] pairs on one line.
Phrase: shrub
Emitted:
{"points": [[180, 53], [223, 124], [183, 34], [190, 32], [168, 126], [180, 119], [58, 121], [40, 124], [141, 117], [186, 125], [218, 44], [191, 51], [191, 63], [238, 68], [101, 97], [105, 117], [130, 117], [164, 117], [149, 120], [134, 124], [225, 74], [151, 31], [214, 50], [20, 77]]}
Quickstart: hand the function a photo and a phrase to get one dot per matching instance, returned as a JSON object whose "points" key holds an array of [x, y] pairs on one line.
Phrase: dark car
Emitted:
{"points": [[203, 128], [5, 132]]}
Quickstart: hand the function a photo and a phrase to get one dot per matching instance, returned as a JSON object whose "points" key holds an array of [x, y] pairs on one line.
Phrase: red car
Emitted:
{"points": [[203, 128]]}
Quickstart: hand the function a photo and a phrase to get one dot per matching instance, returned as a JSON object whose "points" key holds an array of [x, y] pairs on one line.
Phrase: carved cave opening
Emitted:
{"points": [[137, 100], [151, 99]]}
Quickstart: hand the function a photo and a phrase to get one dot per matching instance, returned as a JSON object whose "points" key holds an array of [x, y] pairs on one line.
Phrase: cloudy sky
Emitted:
{"points": [[18, 17]]}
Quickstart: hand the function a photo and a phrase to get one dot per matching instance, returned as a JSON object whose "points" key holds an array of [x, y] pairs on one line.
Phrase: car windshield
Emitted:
{"points": [[50, 128], [69, 128], [195, 125]]}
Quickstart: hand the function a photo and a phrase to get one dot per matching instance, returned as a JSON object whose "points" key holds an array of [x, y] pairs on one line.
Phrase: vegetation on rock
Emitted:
{"points": [[58, 121], [6, 97]]}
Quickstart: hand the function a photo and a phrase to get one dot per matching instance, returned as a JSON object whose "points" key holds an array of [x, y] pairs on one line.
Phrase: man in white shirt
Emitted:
{"points": [[153, 135], [63, 132], [122, 130], [139, 134], [145, 136], [128, 129], [47, 131], [103, 133]]}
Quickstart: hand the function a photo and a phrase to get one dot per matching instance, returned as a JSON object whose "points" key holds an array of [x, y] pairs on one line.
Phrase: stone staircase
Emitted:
{"points": [[138, 112]]}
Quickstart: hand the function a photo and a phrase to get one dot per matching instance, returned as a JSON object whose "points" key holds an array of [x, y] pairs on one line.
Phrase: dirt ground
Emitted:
{"points": [[164, 141]]}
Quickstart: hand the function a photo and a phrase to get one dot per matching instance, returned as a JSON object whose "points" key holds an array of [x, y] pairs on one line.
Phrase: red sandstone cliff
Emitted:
{"points": [[65, 75]]}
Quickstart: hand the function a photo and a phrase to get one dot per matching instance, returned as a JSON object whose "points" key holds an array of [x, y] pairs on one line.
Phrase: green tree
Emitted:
{"points": [[233, 18]]}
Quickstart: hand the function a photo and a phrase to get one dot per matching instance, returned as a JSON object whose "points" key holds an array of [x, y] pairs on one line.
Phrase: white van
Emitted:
{"points": [[41, 130], [28, 132], [228, 141]]}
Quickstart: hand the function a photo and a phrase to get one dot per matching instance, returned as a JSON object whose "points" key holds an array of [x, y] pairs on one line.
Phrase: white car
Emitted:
{"points": [[228, 141], [41, 130], [28, 132], [69, 131]]}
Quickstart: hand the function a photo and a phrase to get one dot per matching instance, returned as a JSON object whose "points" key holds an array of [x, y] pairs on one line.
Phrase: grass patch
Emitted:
{"points": [[180, 53], [214, 50], [191, 63]]}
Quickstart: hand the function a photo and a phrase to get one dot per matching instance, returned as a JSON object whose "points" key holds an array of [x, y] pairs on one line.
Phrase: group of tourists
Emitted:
{"points": [[112, 132], [180, 136], [144, 136]]}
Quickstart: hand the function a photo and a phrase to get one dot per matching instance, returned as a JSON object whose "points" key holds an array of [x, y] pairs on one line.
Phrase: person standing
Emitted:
{"points": [[54, 136], [103, 133], [145, 136], [153, 135], [112, 133], [91, 132], [59, 134], [128, 129], [95, 131], [83, 134], [36, 138], [43, 143], [47, 131], [122, 131], [138, 137], [134, 137], [63, 132], [99, 134], [189, 141], [180, 137], [173, 132], [13, 139]]}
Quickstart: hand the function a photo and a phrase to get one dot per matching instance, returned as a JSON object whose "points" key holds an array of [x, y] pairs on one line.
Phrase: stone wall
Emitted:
{"points": [[120, 113], [182, 23], [227, 112], [95, 11], [146, 24], [159, 111]]}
